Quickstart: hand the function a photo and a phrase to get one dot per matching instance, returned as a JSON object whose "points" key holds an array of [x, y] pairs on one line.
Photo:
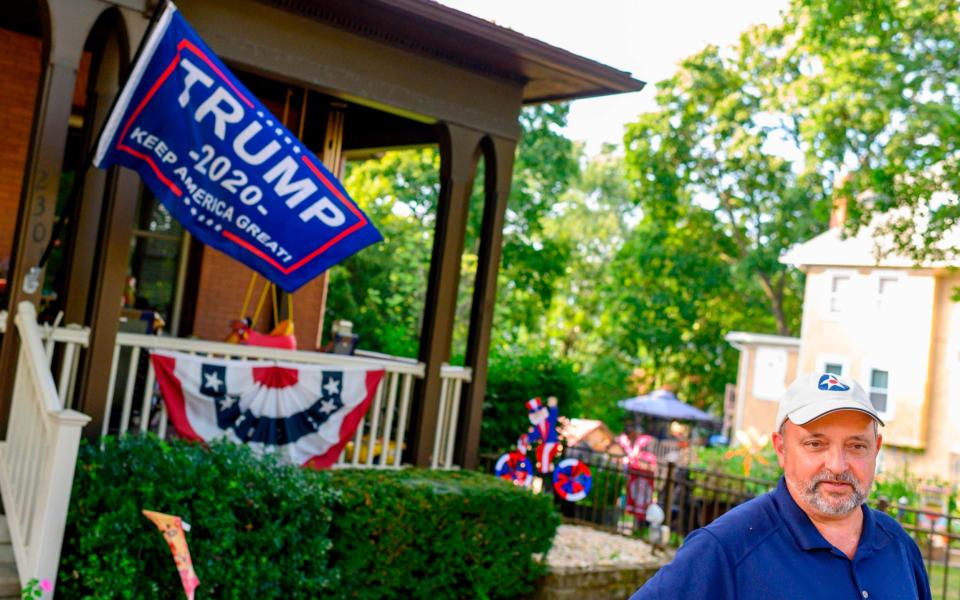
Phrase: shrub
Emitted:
{"points": [[512, 379], [432, 534], [259, 529], [264, 530]]}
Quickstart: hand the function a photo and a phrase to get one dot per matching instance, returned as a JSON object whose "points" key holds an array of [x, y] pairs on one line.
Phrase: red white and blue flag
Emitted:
{"points": [[306, 413], [225, 167]]}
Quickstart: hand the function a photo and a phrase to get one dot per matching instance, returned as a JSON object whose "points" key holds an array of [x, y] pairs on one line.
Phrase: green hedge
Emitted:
{"points": [[431, 534], [263, 530], [259, 529]]}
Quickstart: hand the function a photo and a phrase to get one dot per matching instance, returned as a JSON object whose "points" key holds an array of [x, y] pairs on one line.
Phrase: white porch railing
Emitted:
{"points": [[133, 404], [38, 458]]}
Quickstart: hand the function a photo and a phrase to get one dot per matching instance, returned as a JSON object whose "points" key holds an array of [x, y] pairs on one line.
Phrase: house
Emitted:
{"points": [[352, 78], [877, 317], [589, 434]]}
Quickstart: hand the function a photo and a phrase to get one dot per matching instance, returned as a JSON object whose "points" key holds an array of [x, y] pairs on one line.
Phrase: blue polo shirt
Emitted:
{"points": [[768, 548]]}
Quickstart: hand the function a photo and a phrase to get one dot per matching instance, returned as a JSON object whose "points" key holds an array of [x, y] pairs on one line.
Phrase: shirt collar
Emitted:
{"points": [[797, 521], [872, 537]]}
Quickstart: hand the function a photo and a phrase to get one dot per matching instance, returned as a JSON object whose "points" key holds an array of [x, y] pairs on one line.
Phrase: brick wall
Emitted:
{"points": [[19, 80], [223, 284]]}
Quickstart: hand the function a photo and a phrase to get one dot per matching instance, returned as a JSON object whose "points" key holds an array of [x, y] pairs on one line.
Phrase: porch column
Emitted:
{"points": [[459, 151], [71, 21], [121, 188], [498, 157]]}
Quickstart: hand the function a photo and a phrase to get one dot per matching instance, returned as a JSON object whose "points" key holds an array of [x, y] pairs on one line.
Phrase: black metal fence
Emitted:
{"points": [[692, 497]]}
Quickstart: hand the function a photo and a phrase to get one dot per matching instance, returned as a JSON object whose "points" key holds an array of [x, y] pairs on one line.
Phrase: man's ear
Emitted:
{"points": [[777, 440], [879, 444]]}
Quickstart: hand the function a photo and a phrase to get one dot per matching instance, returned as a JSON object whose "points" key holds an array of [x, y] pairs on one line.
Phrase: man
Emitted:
{"points": [[813, 537]]}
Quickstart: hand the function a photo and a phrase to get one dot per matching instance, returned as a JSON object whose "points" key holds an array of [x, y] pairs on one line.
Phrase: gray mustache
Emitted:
{"points": [[845, 477]]}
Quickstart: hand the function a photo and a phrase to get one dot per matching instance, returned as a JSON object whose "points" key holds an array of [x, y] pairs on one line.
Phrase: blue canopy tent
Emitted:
{"points": [[652, 413], [663, 404]]}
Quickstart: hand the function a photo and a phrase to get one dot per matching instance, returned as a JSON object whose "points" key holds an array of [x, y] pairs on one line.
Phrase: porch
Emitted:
{"points": [[38, 458]]}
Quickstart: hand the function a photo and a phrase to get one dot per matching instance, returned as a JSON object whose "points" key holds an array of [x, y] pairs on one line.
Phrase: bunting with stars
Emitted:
{"points": [[306, 413]]}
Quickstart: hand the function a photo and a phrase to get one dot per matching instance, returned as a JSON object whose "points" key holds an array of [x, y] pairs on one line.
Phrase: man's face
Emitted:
{"points": [[829, 463]]}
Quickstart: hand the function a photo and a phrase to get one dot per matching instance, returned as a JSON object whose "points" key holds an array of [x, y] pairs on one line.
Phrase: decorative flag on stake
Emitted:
{"points": [[173, 528], [307, 413], [223, 166]]}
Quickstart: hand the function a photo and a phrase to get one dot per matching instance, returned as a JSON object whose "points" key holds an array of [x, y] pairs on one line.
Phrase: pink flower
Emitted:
{"points": [[46, 586]]}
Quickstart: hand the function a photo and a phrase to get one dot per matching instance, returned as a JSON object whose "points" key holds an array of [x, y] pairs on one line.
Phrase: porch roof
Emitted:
{"points": [[429, 28]]}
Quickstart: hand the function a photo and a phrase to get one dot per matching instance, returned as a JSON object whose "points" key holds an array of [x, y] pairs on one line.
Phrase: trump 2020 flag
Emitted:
{"points": [[306, 413], [223, 166]]}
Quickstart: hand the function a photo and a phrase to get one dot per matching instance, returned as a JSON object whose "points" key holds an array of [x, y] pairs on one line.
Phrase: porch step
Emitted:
{"points": [[9, 582]]}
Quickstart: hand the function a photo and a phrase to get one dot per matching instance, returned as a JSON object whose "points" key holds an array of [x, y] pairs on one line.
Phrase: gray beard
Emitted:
{"points": [[830, 506]]}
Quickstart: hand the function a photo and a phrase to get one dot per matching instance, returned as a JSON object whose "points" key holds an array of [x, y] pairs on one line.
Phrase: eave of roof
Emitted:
{"points": [[741, 338], [832, 249], [429, 28]]}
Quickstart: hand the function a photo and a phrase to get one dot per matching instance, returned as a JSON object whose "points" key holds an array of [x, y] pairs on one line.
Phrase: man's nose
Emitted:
{"points": [[837, 460]]}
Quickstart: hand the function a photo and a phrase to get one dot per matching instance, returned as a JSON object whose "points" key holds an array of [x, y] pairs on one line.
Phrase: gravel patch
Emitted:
{"points": [[577, 547]]}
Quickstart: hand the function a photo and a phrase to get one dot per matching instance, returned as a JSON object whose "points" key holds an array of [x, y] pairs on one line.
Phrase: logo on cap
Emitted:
{"points": [[830, 383]]}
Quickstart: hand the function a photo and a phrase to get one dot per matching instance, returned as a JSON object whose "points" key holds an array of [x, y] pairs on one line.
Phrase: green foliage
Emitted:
{"points": [[872, 89], [512, 379], [264, 530], [259, 529], [533, 260], [430, 534], [34, 589], [714, 461], [382, 290]]}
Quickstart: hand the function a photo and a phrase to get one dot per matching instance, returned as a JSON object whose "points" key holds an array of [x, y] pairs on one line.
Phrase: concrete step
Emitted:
{"points": [[9, 582]]}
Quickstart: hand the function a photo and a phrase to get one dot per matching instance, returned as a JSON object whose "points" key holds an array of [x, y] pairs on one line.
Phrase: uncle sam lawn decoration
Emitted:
{"points": [[572, 478]]}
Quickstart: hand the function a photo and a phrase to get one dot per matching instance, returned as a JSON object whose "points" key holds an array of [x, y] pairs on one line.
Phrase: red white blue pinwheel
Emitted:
{"points": [[516, 467], [572, 480]]}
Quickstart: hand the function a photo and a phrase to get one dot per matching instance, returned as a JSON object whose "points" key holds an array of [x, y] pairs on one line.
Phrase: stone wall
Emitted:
{"points": [[597, 582]]}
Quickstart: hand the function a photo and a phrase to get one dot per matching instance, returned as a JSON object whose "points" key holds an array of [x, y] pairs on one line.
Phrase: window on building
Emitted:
{"points": [[155, 260], [770, 373], [879, 385], [835, 368], [839, 290], [886, 288]]}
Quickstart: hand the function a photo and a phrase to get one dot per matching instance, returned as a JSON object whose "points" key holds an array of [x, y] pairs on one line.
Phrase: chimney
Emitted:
{"points": [[838, 215]]}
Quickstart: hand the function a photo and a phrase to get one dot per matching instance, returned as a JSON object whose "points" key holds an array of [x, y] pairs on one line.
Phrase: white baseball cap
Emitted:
{"points": [[815, 394]]}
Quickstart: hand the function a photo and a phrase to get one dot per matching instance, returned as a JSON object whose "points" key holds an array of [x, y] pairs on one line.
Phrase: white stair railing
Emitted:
{"points": [[38, 458]]}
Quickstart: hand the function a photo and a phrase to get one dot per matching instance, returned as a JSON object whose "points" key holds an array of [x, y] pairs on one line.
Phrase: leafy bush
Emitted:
{"points": [[512, 379], [259, 529], [264, 530], [432, 534]]}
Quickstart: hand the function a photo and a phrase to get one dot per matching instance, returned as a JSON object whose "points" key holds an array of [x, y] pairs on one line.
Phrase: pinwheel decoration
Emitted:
{"points": [[638, 458], [515, 467], [572, 483], [572, 480]]}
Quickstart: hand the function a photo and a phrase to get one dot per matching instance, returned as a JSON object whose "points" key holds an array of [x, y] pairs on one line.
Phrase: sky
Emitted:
{"points": [[647, 38]]}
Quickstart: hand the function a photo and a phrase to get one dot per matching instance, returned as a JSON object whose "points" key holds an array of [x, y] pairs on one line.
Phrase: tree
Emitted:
{"points": [[712, 145], [382, 289], [872, 88]]}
